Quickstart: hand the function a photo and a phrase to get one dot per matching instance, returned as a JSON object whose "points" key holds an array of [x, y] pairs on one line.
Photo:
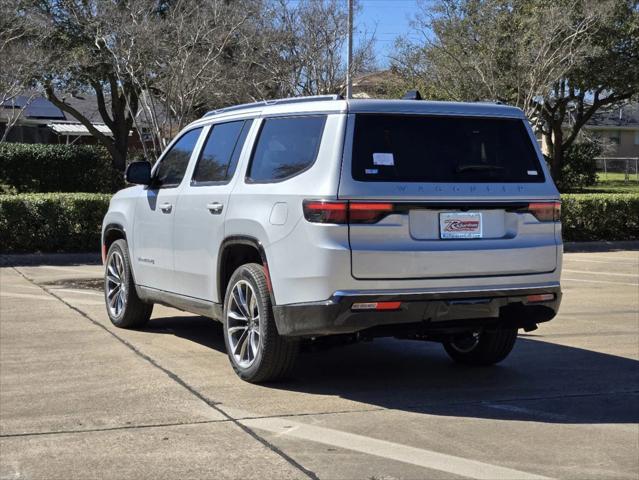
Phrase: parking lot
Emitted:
{"points": [[81, 399]]}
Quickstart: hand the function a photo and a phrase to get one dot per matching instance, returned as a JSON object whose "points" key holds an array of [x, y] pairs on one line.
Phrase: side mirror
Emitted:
{"points": [[138, 173]]}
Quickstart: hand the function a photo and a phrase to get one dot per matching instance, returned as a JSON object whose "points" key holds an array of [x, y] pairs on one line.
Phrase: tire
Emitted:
{"points": [[124, 307], [481, 348], [256, 351]]}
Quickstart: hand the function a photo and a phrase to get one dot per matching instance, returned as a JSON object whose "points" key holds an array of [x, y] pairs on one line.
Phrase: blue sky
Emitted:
{"points": [[389, 18]]}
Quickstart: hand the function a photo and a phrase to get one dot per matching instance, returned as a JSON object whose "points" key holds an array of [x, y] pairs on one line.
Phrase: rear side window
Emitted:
{"points": [[173, 165], [286, 146], [220, 153], [411, 148]]}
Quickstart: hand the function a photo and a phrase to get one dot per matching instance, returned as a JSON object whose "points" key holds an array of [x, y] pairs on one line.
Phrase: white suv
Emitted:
{"points": [[300, 218]]}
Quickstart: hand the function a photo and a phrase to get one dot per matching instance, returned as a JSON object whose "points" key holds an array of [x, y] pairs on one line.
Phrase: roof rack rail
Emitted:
{"points": [[281, 101]]}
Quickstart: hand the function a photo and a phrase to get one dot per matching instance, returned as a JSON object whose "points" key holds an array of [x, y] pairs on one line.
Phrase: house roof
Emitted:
{"points": [[34, 107], [625, 116], [38, 107], [77, 130]]}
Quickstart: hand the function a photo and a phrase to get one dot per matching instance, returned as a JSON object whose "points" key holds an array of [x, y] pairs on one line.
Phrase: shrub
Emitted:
{"points": [[71, 222], [51, 222], [57, 168], [580, 168], [600, 216]]}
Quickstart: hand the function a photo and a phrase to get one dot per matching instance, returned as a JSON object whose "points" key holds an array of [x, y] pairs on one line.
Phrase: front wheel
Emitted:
{"points": [[256, 351], [481, 348], [124, 307]]}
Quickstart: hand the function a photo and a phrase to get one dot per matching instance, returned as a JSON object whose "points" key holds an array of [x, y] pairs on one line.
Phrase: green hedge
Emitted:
{"points": [[600, 216], [29, 168], [70, 222], [51, 222]]}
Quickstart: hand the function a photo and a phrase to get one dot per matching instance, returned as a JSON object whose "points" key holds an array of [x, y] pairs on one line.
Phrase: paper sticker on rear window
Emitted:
{"points": [[533, 172], [372, 171], [383, 159]]}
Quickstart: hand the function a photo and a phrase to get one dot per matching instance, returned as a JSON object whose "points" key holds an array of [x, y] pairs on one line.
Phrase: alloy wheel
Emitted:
{"points": [[465, 343], [115, 284], [243, 324]]}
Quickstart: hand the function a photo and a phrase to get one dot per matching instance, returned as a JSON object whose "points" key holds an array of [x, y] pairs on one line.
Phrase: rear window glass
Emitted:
{"points": [[286, 146], [411, 148]]}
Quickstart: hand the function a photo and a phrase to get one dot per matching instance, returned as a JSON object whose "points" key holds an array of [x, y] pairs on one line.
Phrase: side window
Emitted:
{"points": [[286, 146], [173, 165], [220, 153]]}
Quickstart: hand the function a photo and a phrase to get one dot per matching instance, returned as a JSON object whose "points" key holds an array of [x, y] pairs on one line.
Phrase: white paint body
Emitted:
{"points": [[177, 250]]}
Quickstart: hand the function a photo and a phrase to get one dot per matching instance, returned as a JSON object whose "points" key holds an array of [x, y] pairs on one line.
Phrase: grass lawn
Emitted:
{"points": [[614, 183]]}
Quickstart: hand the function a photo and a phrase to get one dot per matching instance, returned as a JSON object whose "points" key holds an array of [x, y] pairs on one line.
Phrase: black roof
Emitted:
{"points": [[625, 116], [38, 107]]}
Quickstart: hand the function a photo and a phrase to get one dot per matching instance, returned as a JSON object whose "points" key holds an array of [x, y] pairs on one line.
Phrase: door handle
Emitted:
{"points": [[215, 208], [166, 207]]}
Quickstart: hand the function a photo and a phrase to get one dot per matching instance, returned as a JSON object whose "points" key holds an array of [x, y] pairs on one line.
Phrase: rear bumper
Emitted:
{"points": [[435, 310]]}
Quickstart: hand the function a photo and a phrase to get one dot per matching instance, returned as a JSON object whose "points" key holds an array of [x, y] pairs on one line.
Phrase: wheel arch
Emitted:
{"points": [[110, 233], [237, 250]]}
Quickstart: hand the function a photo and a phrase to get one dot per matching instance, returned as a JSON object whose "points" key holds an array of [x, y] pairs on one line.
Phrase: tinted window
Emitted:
{"points": [[173, 165], [396, 148], [285, 147], [220, 152]]}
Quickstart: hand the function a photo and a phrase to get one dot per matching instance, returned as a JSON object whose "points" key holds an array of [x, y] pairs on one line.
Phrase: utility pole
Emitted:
{"points": [[349, 60]]}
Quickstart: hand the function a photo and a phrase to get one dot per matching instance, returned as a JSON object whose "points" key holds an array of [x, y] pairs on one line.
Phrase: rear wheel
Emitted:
{"points": [[124, 307], [481, 348], [256, 351]]}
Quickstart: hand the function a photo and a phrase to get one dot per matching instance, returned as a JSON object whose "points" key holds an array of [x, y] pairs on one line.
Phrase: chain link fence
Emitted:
{"points": [[626, 165]]}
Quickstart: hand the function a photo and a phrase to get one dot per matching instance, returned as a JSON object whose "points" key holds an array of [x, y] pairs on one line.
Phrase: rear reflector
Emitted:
{"points": [[377, 306], [546, 211], [543, 297], [324, 211]]}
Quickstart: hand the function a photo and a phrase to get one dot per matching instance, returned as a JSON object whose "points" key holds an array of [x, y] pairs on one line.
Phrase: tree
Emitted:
{"points": [[72, 40], [179, 59], [560, 61], [16, 69], [164, 63], [306, 47]]}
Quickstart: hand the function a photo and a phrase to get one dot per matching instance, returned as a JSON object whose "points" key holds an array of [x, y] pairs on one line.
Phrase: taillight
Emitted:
{"points": [[320, 211], [368, 212], [546, 211], [324, 211]]}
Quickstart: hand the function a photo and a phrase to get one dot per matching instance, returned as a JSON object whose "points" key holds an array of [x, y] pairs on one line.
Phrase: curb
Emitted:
{"points": [[93, 258], [35, 259], [600, 246]]}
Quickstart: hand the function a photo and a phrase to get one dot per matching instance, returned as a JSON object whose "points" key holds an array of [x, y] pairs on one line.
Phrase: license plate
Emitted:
{"points": [[460, 225]]}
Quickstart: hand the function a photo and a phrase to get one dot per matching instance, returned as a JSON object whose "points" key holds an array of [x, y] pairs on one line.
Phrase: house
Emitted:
{"points": [[380, 84], [617, 129], [34, 119]]}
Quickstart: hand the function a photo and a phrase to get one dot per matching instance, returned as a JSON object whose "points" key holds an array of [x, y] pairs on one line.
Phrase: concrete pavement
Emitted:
{"points": [[80, 398]]}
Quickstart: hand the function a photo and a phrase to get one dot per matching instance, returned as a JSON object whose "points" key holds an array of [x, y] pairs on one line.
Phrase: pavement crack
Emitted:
{"points": [[310, 414], [176, 378], [109, 429]]}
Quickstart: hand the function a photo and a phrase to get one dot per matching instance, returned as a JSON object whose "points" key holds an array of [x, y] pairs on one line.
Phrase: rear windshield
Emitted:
{"points": [[411, 148]]}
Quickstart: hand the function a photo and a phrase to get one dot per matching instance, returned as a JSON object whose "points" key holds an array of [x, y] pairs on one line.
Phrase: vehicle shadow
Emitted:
{"points": [[540, 381]]}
